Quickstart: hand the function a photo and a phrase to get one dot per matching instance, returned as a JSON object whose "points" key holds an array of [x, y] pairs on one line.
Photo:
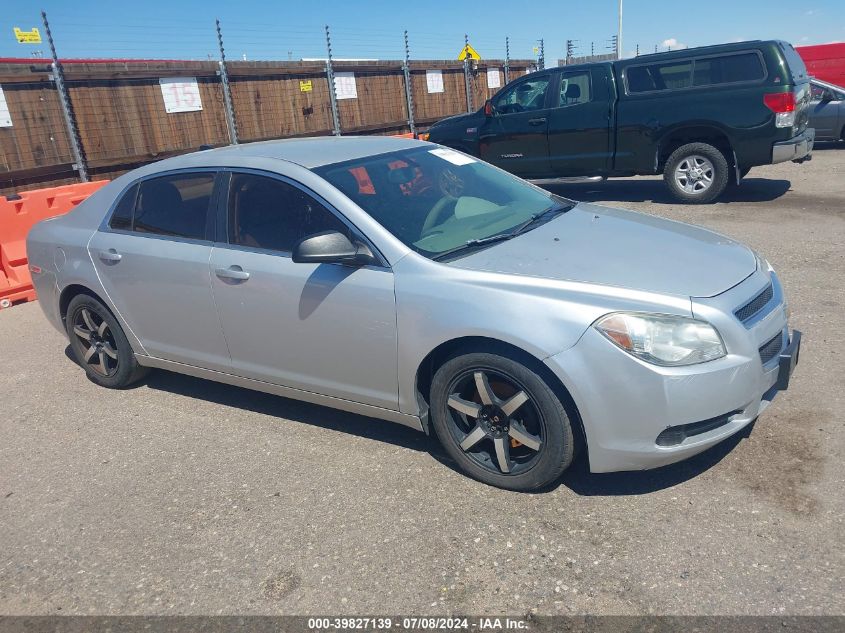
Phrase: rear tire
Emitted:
{"points": [[483, 404], [99, 345], [696, 173]]}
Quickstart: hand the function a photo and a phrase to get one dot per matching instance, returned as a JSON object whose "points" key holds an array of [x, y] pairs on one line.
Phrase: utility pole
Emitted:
{"points": [[58, 76], [227, 90], [409, 92], [507, 60], [467, 79], [541, 61], [619, 34], [330, 78], [570, 50]]}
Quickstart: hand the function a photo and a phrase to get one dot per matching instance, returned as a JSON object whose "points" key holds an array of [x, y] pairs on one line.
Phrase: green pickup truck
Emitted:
{"points": [[703, 117]]}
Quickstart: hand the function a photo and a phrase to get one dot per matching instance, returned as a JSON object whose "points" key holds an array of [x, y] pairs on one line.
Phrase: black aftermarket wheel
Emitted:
{"points": [[500, 421], [99, 344]]}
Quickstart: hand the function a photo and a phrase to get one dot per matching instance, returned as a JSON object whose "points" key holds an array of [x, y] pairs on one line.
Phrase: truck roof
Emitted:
{"points": [[681, 52]]}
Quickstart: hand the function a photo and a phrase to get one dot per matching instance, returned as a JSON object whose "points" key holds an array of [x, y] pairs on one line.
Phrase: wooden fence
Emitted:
{"points": [[122, 122]]}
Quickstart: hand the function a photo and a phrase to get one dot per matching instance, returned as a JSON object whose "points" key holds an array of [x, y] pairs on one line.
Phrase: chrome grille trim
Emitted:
{"points": [[747, 311], [771, 348]]}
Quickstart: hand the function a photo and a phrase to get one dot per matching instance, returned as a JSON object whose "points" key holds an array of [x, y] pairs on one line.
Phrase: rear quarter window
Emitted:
{"points": [[121, 219]]}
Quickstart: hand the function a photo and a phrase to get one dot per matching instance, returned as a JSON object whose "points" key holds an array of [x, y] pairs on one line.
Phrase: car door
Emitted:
{"points": [[580, 124], [151, 256], [324, 328], [825, 106], [514, 136]]}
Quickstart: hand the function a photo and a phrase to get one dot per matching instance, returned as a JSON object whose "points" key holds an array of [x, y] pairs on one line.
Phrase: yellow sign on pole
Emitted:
{"points": [[305, 85], [468, 51], [28, 37]]}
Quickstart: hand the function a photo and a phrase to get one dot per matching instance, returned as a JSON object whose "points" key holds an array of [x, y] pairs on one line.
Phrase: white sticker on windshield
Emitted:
{"points": [[452, 156]]}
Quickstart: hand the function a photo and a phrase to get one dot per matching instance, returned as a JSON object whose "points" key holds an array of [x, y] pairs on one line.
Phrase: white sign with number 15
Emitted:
{"points": [[181, 94]]}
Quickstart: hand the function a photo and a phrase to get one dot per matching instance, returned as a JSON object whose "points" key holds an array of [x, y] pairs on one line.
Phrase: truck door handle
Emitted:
{"points": [[539, 121], [110, 256], [232, 272]]}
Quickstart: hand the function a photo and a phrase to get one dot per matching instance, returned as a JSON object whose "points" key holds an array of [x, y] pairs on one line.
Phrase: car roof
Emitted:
{"points": [[307, 152]]}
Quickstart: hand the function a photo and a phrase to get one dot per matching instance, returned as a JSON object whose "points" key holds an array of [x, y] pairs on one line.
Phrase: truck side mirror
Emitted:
{"points": [[489, 110]]}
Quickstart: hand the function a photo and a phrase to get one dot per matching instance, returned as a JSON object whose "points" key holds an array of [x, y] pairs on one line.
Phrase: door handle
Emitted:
{"points": [[539, 121], [232, 272], [110, 256]]}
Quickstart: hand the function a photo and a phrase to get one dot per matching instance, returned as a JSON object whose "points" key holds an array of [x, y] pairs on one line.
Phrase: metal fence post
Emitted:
{"points": [[507, 60], [227, 91], [467, 81], [409, 96], [58, 77], [330, 78]]}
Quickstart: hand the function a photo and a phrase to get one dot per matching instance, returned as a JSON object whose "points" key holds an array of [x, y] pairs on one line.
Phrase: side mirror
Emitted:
{"points": [[489, 110], [331, 247], [827, 96]]}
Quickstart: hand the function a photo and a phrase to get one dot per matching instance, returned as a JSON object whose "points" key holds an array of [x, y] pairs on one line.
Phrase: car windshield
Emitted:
{"points": [[438, 201]]}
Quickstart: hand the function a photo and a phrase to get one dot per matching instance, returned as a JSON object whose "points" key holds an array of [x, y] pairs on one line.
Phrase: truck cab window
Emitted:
{"points": [[523, 97]]}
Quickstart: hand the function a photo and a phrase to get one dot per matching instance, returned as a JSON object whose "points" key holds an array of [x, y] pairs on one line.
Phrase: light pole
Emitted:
{"points": [[619, 34]]}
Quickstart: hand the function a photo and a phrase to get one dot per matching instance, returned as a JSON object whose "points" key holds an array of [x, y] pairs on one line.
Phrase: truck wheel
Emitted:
{"points": [[696, 173]]}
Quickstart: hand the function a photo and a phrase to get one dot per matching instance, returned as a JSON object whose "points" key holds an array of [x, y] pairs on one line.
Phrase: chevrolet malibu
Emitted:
{"points": [[413, 283]]}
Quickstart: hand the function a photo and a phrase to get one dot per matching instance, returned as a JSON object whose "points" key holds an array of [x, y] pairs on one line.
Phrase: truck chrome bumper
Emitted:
{"points": [[798, 148]]}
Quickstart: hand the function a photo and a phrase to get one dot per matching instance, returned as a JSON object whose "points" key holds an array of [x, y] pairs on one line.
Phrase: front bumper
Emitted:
{"points": [[798, 148], [626, 404]]}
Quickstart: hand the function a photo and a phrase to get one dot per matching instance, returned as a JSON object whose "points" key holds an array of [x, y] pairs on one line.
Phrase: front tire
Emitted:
{"points": [[99, 345], [500, 421], [696, 173]]}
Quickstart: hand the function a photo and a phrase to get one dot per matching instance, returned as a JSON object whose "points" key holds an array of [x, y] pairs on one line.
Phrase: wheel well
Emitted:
{"points": [[440, 354], [72, 291], [697, 134]]}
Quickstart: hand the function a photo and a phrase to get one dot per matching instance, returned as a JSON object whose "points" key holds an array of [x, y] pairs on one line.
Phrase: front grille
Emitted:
{"points": [[771, 348], [754, 306]]}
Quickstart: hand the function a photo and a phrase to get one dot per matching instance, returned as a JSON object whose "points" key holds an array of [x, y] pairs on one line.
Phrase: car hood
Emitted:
{"points": [[454, 120], [594, 244]]}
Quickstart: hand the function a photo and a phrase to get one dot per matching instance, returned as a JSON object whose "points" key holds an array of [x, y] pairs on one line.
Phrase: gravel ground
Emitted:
{"points": [[187, 497]]}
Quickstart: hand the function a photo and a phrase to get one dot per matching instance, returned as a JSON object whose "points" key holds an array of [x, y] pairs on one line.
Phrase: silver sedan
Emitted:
{"points": [[409, 282]]}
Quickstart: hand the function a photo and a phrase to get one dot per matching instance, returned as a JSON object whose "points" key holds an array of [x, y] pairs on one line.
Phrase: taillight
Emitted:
{"points": [[783, 105]]}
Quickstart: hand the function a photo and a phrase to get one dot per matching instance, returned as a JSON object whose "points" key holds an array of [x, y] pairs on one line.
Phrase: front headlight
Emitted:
{"points": [[663, 339]]}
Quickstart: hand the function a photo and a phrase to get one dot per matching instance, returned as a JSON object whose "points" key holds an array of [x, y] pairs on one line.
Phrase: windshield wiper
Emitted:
{"points": [[540, 218], [519, 229], [470, 244]]}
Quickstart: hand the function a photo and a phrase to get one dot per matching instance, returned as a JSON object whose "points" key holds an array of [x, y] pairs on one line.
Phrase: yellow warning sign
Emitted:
{"points": [[468, 51], [28, 37], [305, 85]]}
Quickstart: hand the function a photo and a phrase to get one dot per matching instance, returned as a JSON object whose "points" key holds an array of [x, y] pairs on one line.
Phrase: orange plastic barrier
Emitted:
{"points": [[17, 216], [405, 135]]}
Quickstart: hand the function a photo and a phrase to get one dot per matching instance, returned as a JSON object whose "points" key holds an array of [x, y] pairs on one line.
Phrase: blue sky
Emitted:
{"points": [[284, 29]]}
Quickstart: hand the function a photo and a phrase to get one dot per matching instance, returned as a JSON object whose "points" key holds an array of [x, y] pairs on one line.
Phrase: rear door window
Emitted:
{"points": [[175, 205], [574, 89], [728, 69]]}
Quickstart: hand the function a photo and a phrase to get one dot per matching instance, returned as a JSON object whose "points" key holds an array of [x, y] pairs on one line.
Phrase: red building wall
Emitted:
{"points": [[825, 61]]}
